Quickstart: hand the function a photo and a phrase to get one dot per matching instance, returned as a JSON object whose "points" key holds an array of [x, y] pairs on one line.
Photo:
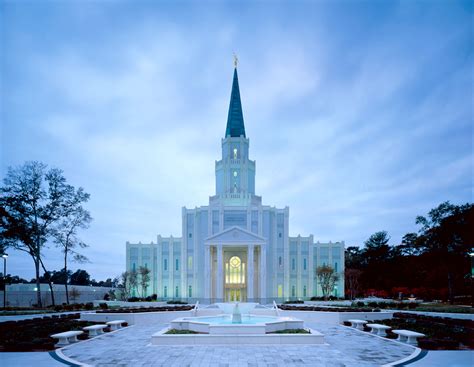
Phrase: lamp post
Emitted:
{"points": [[5, 256]]}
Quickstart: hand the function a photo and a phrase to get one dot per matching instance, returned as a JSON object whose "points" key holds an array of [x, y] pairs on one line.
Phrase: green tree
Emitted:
{"points": [[133, 281], [446, 235], [144, 273], [33, 199], [80, 277]]}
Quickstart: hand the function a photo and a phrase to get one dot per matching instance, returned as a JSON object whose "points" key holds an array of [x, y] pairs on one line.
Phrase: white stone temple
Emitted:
{"points": [[235, 248]]}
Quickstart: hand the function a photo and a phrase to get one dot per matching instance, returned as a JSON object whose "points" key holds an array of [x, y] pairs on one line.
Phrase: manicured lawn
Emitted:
{"points": [[178, 332], [292, 331]]}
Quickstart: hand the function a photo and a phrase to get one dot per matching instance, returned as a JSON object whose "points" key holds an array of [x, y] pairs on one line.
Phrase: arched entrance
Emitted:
{"points": [[235, 280]]}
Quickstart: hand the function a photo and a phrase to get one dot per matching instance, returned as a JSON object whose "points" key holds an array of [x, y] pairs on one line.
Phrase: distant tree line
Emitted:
{"points": [[38, 208], [434, 263]]}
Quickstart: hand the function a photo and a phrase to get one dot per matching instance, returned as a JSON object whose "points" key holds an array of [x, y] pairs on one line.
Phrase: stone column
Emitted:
{"points": [[220, 275], [250, 294], [263, 273], [207, 273]]}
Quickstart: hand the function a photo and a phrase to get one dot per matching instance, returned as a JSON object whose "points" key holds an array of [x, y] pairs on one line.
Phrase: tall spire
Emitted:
{"points": [[235, 119]]}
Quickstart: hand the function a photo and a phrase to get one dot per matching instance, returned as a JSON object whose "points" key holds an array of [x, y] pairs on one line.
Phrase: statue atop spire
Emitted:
{"points": [[236, 60]]}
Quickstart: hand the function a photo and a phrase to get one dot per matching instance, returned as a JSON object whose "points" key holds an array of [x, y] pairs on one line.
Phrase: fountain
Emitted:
{"points": [[236, 325], [236, 315]]}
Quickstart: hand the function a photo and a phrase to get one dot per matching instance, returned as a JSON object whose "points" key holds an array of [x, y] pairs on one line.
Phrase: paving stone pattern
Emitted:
{"points": [[345, 347]]}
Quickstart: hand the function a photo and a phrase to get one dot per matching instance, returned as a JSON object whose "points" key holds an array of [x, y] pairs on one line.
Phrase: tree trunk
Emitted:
{"points": [[65, 272], [450, 288], [50, 285], [38, 287]]}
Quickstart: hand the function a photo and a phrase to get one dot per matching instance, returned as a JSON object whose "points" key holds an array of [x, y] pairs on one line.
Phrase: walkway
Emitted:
{"points": [[131, 347]]}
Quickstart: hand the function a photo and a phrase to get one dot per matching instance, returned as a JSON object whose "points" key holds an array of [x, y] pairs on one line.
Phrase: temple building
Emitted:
{"points": [[236, 248]]}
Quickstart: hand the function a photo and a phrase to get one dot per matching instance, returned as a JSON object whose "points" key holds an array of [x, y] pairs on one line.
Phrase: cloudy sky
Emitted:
{"points": [[359, 114]]}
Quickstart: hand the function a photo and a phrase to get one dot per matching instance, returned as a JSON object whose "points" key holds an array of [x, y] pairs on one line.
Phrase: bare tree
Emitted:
{"points": [[327, 279], [352, 277], [74, 293], [65, 232]]}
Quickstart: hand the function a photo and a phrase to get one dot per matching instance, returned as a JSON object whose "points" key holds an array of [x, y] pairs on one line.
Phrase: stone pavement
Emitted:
{"points": [[131, 347]]}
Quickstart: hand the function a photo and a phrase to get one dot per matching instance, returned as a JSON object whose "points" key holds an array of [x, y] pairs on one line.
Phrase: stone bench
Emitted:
{"points": [[378, 329], [408, 336], [67, 337], [95, 329], [115, 324], [357, 324]]}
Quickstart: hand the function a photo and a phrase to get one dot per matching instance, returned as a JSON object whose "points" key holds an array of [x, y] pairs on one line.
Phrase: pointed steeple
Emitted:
{"points": [[235, 119]]}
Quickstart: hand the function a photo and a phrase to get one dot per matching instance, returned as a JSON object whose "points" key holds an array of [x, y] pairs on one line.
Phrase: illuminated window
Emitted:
{"points": [[235, 173], [190, 262], [235, 153], [280, 291], [235, 271]]}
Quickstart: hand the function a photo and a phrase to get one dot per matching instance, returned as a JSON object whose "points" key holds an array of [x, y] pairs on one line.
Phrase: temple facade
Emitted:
{"points": [[236, 248]]}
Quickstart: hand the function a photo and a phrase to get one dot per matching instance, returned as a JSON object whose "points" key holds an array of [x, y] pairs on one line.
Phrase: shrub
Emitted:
{"points": [[176, 302], [133, 299], [89, 306], [154, 297], [360, 304], [103, 306], [372, 304]]}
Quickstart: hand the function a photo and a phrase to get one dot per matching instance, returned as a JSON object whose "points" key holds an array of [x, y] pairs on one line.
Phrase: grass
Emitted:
{"points": [[291, 331], [178, 332]]}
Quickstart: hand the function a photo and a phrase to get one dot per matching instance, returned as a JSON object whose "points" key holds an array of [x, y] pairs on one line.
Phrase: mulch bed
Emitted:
{"points": [[33, 335], [441, 333]]}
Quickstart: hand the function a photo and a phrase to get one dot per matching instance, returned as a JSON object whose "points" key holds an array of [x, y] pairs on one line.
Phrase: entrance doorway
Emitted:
{"points": [[235, 280]]}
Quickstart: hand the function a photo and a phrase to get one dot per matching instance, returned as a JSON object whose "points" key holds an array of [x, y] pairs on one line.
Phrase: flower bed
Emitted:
{"points": [[147, 309], [34, 334], [441, 333]]}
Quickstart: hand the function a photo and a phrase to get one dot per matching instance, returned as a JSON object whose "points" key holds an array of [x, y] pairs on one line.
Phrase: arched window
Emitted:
{"points": [[165, 264], [176, 292], [279, 261], [335, 266], [235, 153], [304, 291], [190, 291], [165, 292], [177, 265], [304, 263], [293, 264]]}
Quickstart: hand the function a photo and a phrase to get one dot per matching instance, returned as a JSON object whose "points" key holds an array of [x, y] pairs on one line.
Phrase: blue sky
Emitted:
{"points": [[359, 114]]}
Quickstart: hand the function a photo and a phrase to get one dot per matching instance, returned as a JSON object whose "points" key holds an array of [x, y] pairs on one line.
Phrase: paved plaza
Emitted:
{"points": [[345, 347]]}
